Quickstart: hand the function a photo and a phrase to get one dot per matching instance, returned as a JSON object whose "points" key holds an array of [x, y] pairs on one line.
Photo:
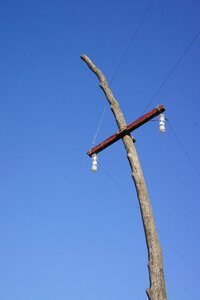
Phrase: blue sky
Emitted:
{"points": [[67, 233]]}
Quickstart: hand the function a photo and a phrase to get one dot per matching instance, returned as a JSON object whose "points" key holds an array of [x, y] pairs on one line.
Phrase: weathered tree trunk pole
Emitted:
{"points": [[157, 290]]}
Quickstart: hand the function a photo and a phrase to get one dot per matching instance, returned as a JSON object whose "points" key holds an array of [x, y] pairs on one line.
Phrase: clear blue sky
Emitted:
{"points": [[65, 232]]}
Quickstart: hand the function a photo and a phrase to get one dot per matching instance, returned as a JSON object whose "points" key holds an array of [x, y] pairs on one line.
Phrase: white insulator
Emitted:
{"points": [[94, 168], [94, 162], [162, 123]]}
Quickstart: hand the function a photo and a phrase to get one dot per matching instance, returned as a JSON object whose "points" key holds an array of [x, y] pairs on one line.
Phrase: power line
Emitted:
{"points": [[117, 184], [189, 265], [99, 125], [132, 40], [184, 150], [173, 69], [170, 244], [119, 65]]}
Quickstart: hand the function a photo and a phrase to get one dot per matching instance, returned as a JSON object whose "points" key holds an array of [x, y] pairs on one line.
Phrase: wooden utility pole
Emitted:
{"points": [[157, 290]]}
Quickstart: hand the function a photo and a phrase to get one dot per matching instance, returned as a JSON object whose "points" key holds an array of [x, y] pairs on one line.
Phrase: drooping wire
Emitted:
{"points": [[189, 265], [183, 149], [133, 38], [173, 69], [170, 244], [180, 255], [99, 126], [117, 184], [151, 100]]}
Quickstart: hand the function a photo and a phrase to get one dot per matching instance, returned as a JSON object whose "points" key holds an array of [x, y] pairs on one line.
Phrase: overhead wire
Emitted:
{"points": [[170, 244], [181, 256], [99, 126], [148, 104], [160, 88], [117, 184], [191, 267], [138, 28], [184, 149], [172, 70], [133, 38]]}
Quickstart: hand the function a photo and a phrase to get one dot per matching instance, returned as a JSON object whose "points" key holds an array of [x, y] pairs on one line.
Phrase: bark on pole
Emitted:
{"points": [[157, 290]]}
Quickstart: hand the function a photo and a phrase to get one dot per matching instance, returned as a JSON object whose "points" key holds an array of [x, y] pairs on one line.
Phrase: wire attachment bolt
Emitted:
{"points": [[94, 163]]}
